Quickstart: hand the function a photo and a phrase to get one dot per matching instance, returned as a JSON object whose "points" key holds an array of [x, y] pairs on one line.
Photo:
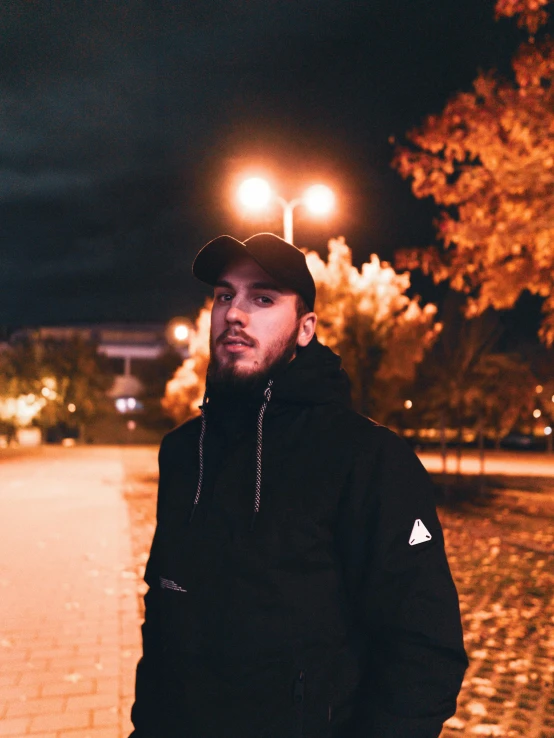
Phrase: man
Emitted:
{"points": [[298, 584]]}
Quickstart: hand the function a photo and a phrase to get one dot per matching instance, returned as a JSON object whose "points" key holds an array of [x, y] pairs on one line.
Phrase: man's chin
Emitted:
{"points": [[234, 381], [238, 366]]}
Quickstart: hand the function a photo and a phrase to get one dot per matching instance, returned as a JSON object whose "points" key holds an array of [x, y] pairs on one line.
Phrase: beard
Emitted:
{"points": [[226, 381]]}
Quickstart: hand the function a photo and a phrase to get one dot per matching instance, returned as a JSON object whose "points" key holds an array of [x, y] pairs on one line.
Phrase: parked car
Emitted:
{"points": [[521, 441]]}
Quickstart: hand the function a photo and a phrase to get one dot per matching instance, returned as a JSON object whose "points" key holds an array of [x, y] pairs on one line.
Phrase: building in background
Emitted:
{"points": [[130, 347], [142, 357]]}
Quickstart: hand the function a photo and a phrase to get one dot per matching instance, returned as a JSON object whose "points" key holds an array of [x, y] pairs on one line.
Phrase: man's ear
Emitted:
{"points": [[307, 329]]}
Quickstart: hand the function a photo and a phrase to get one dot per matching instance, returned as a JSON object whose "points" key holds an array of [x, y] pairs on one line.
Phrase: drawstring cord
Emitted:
{"points": [[267, 395], [257, 496], [200, 456]]}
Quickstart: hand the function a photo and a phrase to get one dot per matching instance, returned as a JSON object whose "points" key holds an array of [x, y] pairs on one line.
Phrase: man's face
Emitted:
{"points": [[254, 325]]}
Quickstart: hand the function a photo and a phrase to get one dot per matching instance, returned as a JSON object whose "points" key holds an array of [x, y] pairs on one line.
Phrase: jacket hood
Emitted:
{"points": [[314, 377]]}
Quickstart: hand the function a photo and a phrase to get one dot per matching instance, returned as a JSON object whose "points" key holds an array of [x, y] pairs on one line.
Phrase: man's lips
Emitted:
{"points": [[235, 344], [236, 348]]}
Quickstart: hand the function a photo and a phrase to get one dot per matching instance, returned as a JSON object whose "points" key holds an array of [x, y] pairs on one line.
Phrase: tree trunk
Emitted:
{"points": [[459, 447], [445, 488], [443, 441], [481, 441]]}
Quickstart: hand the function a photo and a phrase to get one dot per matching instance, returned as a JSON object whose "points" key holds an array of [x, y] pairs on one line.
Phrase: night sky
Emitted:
{"points": [[126, 125]]}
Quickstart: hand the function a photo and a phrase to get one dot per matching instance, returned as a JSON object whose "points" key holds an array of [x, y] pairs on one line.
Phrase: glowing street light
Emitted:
{"points": [[319, 200], [255, 194], [181, 332]]}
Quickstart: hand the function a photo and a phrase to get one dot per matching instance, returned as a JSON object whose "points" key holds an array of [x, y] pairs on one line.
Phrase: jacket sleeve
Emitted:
{"points": [[403, 597], [147, 710]]}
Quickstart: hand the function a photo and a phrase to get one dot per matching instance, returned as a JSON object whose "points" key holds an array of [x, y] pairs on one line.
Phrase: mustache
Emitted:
{"points": [[235, 334]]}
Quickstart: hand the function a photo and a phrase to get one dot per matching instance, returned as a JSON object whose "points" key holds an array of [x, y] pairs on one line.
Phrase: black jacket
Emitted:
{"points": [[315, 617]]}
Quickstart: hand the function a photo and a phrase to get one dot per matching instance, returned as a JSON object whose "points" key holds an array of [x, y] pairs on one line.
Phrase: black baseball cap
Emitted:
{"points": [[280, 259]]}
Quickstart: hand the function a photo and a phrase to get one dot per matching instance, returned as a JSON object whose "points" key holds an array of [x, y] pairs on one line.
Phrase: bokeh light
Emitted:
{"points": [[181, 332], [319, 199], [254, 193]]}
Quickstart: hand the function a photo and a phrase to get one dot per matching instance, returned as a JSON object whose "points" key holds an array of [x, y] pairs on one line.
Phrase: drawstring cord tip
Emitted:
{"points": [[253, 521]]}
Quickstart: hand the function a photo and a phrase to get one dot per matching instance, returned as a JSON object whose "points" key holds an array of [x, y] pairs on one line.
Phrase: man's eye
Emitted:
{"points": [[224, 297], [265, 300]]}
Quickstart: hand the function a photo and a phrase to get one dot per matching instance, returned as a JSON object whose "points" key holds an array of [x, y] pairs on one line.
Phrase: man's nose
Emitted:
{"points": [[235, 314]]}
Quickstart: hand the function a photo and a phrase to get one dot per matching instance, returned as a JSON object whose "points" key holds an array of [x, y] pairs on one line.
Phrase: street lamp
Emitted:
{"points": [[255, 194], [178, 332]]}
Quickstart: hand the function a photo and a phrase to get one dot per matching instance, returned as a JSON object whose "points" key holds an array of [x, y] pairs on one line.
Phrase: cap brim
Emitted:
{"points": [[212, 259]]}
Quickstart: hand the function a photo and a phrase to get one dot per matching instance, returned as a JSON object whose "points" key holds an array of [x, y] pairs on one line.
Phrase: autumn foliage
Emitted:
{"points": [[531, 14], [488, 162], [184, 392], [366, 317]]}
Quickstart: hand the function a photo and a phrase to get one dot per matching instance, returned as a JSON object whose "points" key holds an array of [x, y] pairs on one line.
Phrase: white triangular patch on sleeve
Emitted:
{"points": [[419, 533]]}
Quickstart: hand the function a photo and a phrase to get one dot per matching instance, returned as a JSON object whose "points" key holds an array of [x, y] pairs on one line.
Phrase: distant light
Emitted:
{"points": [[537, 413], [131, 425], [181, 332], [539, 388], [45, 392], [552, 398], [121, 404], [408, 404], [547, 430], [255, 193], [71, 407], [319, 199], [68, 442], [131, 403]]}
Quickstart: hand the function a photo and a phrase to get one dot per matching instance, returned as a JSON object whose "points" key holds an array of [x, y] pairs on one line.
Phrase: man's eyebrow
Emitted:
{"points": [[253, 286]]}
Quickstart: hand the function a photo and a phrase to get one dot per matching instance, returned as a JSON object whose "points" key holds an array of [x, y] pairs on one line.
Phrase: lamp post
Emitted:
{"points": [[255, 194]]}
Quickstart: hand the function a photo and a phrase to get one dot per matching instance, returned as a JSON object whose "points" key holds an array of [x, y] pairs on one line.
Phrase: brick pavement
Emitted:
{"points": [[69, 633]]}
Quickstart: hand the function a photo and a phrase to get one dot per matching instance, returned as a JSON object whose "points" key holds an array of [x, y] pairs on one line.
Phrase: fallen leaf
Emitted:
{"points": [[487, 729], [476, 708], [74, 677], [454, 723]]}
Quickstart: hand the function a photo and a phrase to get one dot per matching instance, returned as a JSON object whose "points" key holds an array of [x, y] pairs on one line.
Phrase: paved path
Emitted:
{"points": [[69, 625]]}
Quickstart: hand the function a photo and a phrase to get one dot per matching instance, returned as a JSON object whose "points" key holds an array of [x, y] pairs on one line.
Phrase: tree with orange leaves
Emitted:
{"points": [[488, 162]]}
